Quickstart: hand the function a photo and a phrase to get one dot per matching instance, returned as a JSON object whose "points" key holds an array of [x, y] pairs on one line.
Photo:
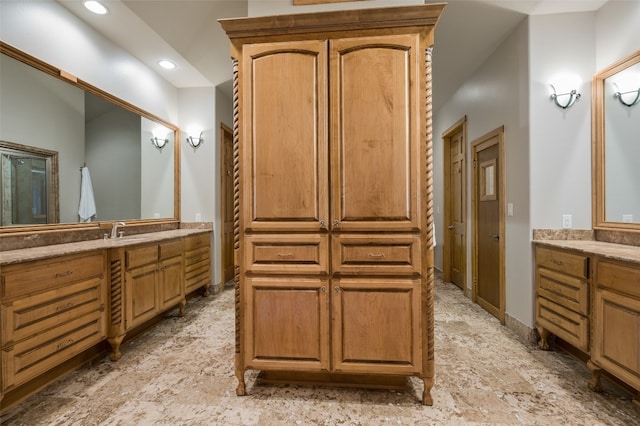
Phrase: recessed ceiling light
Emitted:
{"points": [[168, 65], [96, 7]]}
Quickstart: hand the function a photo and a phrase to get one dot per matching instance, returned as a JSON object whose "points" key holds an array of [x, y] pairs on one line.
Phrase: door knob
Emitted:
{"points": [[495, 236], [451, 226]]}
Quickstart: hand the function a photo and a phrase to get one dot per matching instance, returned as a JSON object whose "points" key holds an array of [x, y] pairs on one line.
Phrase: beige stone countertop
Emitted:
{"points": [[44, 252], [608, 250]]}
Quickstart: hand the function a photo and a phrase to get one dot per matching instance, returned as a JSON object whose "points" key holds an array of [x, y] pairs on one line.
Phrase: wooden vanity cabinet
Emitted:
{"points": [[151, 282], [51, 311], [592, 302], [333, 187], [562, 296], [616, 316]]}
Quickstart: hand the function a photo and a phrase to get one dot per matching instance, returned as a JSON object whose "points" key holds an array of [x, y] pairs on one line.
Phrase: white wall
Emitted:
{"points": [[496, 95], [48, 31], [561, 139], [277, 7], [617, 31]]}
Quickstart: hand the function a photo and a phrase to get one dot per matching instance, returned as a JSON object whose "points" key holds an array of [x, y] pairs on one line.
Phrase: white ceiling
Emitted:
{"points": [[186, 32]]}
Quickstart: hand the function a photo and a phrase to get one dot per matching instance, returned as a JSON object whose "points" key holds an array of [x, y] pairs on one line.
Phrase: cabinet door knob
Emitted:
{"points": [[323, 224], [337, 289], [323, 289], [336, 223]]}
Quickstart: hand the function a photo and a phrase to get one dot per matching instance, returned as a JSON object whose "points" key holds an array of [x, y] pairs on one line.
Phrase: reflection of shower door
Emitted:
{"points": [[28, 185], [28, 191]]}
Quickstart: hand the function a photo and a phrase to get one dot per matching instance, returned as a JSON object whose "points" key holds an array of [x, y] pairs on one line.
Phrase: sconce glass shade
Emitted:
{"points": [[565, 100], [159, 139], [195, 141], [628, 98]]}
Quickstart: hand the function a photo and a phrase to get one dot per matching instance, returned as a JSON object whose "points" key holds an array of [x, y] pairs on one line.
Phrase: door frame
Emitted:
{"points": [[477, 145], [223, 182], [459, 126]]}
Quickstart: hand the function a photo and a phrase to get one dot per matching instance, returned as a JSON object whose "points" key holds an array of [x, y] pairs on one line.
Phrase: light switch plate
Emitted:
{"points": [[567, 220]]}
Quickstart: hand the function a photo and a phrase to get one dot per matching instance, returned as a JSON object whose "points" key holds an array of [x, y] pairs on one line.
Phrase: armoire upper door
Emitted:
{"points": [[375, 133], [284, 142]]}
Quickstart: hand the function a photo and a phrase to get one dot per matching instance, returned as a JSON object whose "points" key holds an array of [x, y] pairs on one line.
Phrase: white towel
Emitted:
{"points": [[87, 209]]}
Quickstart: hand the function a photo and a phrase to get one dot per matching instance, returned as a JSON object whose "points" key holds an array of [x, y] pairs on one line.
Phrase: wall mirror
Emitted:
{"points": [[44, 112], [616, 145]]}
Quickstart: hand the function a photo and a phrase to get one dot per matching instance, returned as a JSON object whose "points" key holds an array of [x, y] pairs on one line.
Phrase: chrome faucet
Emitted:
{"points": [[114, 228]]}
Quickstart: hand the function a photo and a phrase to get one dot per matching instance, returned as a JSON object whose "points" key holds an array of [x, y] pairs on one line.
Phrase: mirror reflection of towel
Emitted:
{"points": [[87, 209]]}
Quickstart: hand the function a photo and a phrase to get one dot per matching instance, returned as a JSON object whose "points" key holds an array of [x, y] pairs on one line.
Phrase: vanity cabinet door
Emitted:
{"points": [[171, 274], [141, 279]]}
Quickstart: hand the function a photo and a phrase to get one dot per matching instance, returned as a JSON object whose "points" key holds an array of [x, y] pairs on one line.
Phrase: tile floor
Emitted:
{"points": [[181, 373]]}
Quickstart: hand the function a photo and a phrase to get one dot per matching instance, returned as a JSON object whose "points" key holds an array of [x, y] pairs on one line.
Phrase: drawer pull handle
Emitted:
{"points": [[65, 344], [285, 254], [64, 274], [557, 262], [65, 306], [381, 255]]}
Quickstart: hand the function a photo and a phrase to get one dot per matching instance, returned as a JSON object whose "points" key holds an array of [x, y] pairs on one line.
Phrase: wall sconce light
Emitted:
{"points": [[564, 100], [159, 139], [195, 141], [627, 101]]}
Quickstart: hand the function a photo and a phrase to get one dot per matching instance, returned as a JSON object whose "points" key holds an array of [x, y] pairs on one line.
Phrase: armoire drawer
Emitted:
{"points": [[26, 278], [299, 253], [563, 261], [565, 290], [376, 254], [564, 323]]}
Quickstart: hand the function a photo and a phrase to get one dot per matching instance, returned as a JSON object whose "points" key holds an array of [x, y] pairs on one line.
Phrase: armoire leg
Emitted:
{"points": [[241, 390], [426, 393]]}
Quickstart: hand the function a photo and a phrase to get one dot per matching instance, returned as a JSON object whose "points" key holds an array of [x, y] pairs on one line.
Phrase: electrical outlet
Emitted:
{"points": [[198, 217], [628, 218], [567, 221], [509, 209], [156, 215]]}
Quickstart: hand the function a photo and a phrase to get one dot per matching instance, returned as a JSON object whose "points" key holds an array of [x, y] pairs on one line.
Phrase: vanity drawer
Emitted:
{"points": [[567, 291], [564, 323], [619, 277], [197, 267], [300, 253], [140, 256], [31, 277], [376, 254], [567, 262], [28, 358], [171, 249], [35, 314], [197, 241]]}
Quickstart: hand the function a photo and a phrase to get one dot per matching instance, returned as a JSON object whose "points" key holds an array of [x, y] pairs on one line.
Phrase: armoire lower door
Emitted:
{"points": [[287, 323], [376, 325]]}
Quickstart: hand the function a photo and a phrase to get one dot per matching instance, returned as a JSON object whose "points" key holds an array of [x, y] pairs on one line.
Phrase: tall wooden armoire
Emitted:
{"points": [[333, 195]]}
